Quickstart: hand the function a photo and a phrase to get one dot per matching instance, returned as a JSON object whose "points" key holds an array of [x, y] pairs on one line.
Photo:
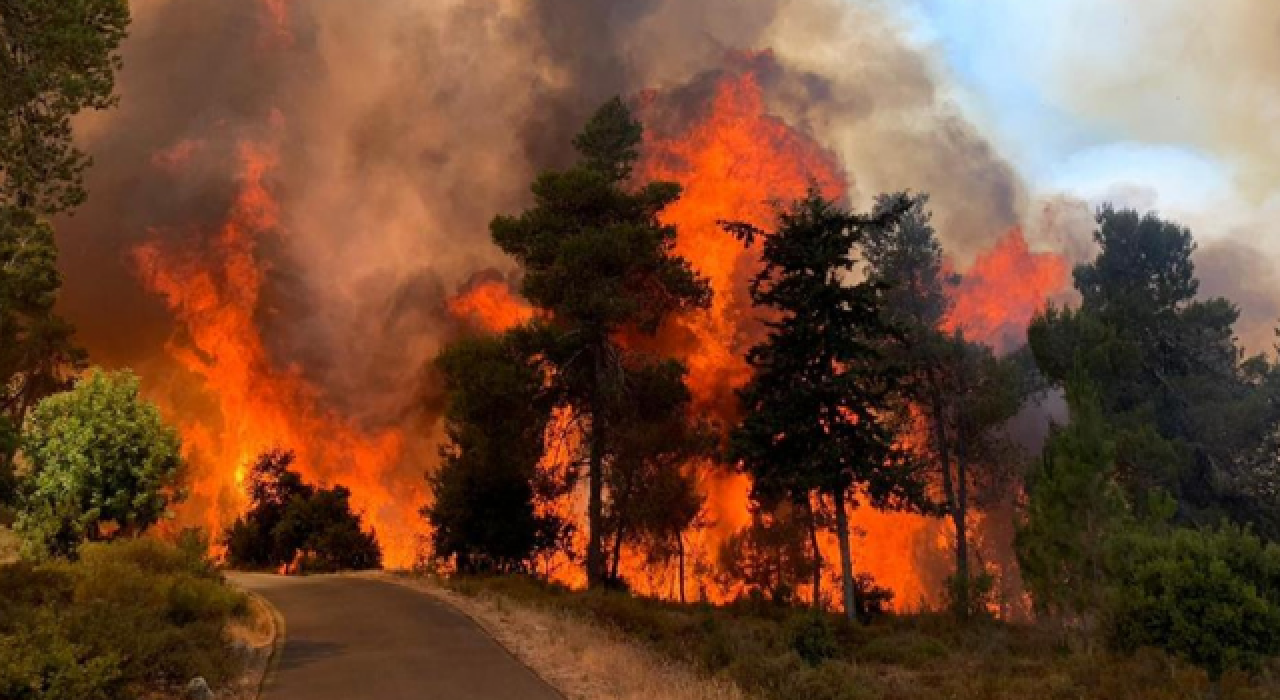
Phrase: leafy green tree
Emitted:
{"points": [[291, 524], [963, 392], [1209, 596], [597, 257], [1188, 413], [102, 463], [1074, 505], [815, 411], [486, 494]]}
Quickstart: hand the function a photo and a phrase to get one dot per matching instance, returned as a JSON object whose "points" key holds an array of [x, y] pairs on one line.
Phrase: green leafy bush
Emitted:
{"points": [[127, 615], [39, 662], [1209, 596], [103, 464]]}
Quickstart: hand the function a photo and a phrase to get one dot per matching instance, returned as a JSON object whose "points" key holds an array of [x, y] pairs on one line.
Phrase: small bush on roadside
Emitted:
{"points": [[39, 662], [128, 615]]}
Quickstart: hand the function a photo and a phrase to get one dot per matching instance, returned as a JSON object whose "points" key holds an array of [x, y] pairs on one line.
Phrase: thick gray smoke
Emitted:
{"points": [[407, 124]]}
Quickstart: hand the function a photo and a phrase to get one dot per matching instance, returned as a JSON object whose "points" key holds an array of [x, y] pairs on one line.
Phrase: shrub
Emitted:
{"points": [[1209, 596], [906, 648], [832, 680], [127, 614], [971, 597], [813, 636], [38, 662], [292, 523]]}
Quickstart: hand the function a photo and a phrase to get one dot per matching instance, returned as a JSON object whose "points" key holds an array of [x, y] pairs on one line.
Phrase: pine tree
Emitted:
{"points": [[815, 410], [599, 260], [1074, 506], [964, 394]]}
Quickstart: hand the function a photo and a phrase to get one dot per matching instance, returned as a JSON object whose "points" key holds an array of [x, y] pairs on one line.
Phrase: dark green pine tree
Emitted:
{"points": [[485, 495], [815, 411], [1189, 416], [597, 257], [1074, 506]]}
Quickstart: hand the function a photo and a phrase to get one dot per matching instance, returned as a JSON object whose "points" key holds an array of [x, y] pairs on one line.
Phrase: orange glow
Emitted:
{"points": [[277, 12], [174, 160], [491, 305], [734, 162], [213, 292], [1003, 289]]}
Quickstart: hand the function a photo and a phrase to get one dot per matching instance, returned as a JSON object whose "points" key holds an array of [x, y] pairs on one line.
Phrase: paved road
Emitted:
{"points": [[352, 638]]}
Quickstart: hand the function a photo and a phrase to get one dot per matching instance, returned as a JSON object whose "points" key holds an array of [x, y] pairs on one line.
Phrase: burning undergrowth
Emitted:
{"points": [[290, 214]]}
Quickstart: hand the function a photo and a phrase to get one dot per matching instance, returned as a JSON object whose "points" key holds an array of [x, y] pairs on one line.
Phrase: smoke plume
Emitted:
{"points": [[395, 130]]}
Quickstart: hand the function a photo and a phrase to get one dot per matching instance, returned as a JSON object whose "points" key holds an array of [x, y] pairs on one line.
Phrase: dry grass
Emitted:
{"points": [[256, 636], [583, 660]]}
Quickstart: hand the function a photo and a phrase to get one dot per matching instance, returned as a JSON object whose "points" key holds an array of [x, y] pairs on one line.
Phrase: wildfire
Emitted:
{"points": [[1004, 289], [735, 163], [214, 293], [491, 305]]}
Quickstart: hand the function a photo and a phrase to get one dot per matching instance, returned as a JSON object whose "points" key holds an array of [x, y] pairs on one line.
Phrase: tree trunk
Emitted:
{"points": [[595, 466], [954, 497], [960, 518], [680, 555], [817, 554], [617, 551], [846, 557]]}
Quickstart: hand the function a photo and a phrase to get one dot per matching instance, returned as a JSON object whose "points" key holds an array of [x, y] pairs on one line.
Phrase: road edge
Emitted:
{"points": [[253, 687], [424, 586]]}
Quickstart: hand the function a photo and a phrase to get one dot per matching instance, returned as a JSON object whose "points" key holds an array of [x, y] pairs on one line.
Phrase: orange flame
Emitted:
{"points": [[1003, 289], [491, 305], [213, 292], [734, 163]]}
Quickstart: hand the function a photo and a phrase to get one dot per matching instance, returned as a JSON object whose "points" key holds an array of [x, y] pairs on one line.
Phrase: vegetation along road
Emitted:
{"points": [[349, 638]]}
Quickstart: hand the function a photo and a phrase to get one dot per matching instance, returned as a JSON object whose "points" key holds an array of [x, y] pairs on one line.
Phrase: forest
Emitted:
{"points": [[578, 456]]}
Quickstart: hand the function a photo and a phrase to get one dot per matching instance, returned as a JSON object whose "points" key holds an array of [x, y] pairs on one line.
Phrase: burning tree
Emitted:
{"points": [[599, 261], [653, 496], [961, 391], [815, 412]]}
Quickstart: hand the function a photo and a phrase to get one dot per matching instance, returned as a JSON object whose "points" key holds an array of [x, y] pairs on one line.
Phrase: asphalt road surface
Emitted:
{"points": [[350, 638]]}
